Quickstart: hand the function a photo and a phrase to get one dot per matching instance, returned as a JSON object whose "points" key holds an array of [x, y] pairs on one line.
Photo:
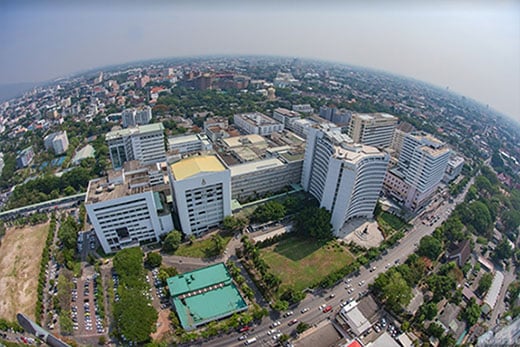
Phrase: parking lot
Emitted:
{"points": [[85, 312]]}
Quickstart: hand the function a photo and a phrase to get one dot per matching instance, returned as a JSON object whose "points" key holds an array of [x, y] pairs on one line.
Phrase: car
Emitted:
{"points": [[277, 336], [361, 283], [387, 265], [292, 322], [245, 328], [275, 324], [397, 261], [272, 331], [321, 307], [305, 310], [327, 309], [373, 269], [332, 295], [288, 313], [242, 337]]}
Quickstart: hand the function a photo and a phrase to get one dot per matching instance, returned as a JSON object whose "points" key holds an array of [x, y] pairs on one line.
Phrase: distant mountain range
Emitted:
{"points": [[11, 90]]}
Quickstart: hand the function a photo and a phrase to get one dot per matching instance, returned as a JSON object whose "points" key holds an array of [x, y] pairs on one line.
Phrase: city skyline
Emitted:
{"points": [[472, 49]]}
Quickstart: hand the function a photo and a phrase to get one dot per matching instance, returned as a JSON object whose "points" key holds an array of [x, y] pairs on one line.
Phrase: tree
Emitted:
{"points": [[153, 259], [301, 327], [485, 283], [511, 220], [234, 224], [503, 250], [430, 247], [172, 242], [472, 313], [269, 211], [314, 222], [393, 289], [429, 310]]}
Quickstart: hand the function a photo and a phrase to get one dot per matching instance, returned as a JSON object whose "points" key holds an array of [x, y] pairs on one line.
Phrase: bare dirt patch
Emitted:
{"points": [[163, 325], [20, 257]]}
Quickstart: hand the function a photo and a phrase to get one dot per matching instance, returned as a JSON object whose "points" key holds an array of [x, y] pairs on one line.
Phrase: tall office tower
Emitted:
{"points": [[423, 160], [201, 189], [400, 132], [129, 206], [420, 169], [346, 178], [144, 143], [132, 117], [374, 129]]}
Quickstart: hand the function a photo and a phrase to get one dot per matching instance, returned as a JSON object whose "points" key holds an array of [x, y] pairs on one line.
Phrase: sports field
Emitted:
{"points": [[301, 263], [20, 256]]}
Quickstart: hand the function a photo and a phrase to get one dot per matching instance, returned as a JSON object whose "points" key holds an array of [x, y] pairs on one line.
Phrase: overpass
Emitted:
{"points": [[45, 206]]}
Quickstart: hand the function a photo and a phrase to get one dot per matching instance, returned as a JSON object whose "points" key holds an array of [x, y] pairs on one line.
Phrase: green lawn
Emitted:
{"points": [[301, 263], [391, 220], [199, 249]]}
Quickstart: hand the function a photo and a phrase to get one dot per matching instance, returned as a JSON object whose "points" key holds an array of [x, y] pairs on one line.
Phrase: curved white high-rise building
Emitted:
{"points": [[346, 178]]}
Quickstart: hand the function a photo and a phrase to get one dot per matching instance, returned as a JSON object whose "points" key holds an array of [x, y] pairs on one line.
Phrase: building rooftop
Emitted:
{"points": [[375, 116], [132, 179], [250, 167], [257, 118], [203, 295], [237, 141], [142, 129], [194, 165], [177, 140], [355, 152], [198, 279]]}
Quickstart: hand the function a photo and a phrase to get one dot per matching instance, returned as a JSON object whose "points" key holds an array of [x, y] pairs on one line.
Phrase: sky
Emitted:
{"points": [[472, 47]]}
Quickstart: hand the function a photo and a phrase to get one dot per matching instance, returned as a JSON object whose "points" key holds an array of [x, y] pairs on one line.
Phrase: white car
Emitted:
{"points": [[275, 324], [305, 310]]}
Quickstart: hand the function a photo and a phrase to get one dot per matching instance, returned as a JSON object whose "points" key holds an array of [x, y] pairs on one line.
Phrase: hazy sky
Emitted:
{"points": [[471, 46]]}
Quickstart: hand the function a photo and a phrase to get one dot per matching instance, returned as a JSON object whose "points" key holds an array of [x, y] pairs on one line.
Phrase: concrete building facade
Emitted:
{"points": [[144, 143], [419, 171], [136, 116], [58, 142], [129, 206], [187, 144], [375, 129], [346, 178], [257, 123], [255, 179], [201, 189]]}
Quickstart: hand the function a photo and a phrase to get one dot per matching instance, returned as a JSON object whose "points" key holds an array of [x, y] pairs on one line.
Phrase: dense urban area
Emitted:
{"points": [[260, 201]]}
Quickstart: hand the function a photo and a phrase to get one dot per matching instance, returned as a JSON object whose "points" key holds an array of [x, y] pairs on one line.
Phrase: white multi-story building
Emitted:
{"points": [[454, 168], [201, 189], [423, 160], [284, 115], [421, 167], [144, 143], [129, 206], [58, 142], [303, 108], [375, 129], [398, 138], [187, 144], [257, 123], [132, 117], [346, 178], [255, 179]]}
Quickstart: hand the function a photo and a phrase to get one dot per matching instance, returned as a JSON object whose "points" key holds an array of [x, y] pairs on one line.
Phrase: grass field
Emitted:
{"points": [[20, 256], [199, 248], [302, 263], [386, 219]]}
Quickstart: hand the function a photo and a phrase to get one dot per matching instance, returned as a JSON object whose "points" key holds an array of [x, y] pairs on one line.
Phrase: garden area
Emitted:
{"points": [[303, 263]]}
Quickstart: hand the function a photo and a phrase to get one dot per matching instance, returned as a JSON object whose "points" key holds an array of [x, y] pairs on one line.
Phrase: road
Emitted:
{"points": [[312, 301]]}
